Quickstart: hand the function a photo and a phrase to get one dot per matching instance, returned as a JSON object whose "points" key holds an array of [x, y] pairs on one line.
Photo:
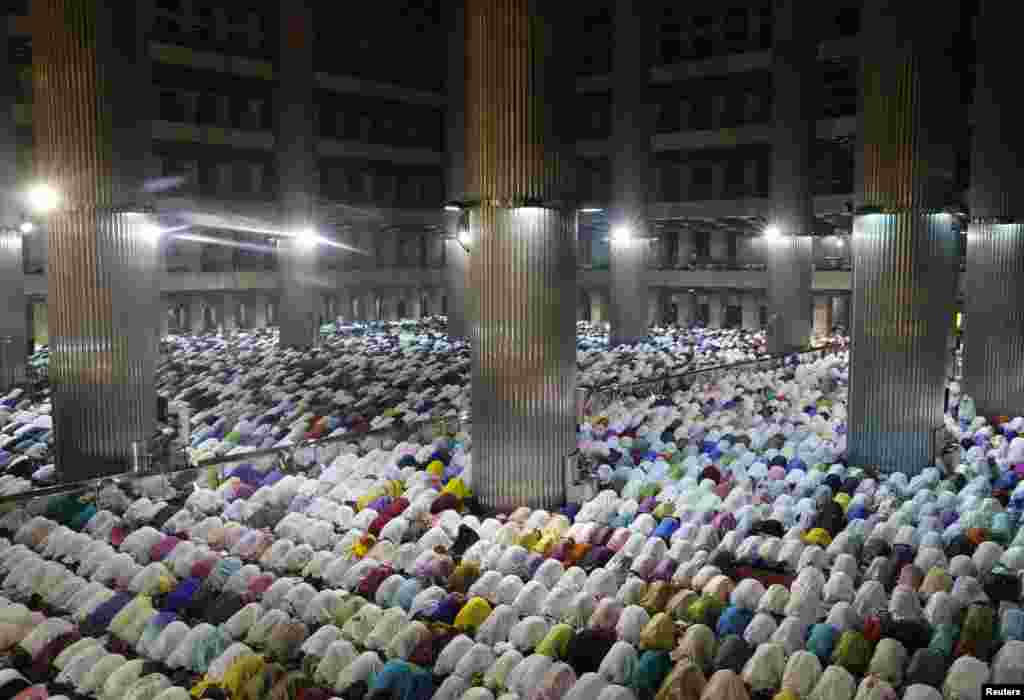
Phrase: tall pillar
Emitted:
{"points": [[841, 311], [655, 307], [92, 137], [632, 129], [993, 365], [343, 308], [456, 257], [523, 260], [719, 246], [685, 309], [685, 247], [227, 314], [456, 273], [822, 316], [256, 312], [296, 164], [716, 310], [598, 305], [13, 302], [789, 256], [164, 308], [751, 312], [904, 247], [196, 316]]}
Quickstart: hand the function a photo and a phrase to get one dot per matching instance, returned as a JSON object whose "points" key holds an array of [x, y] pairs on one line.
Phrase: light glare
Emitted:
{"points": [[621, 234], [27, 227], [772, 233], [43, 198], [307, 238], [464, 238]]}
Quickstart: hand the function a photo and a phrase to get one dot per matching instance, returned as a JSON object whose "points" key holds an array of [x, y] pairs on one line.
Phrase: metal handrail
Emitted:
{"points": [[591, 398]]}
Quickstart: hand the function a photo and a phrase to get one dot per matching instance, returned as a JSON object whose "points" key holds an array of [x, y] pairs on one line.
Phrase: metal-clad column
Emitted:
{"points": [[456, 258], [598, 305], [523, 256], [841, 311], [13, 302], [751, 311], [196, 315], [789, 256], [994, 352], [632, 129], [227, 314], [685, 311], [91, 119], [296, 163], [822, 316], [904, 247], [716, 310]]}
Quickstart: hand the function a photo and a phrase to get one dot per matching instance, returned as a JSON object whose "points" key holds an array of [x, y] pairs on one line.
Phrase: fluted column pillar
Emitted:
{"points": [[841, 311], [632, 129], [685, 311], [91, 121], [789, 255], [993, 366], [751, 312], [716, 310], [227, 314], [598, 305], [13, 302], [904, 247], [296, 163], [523, 257]]}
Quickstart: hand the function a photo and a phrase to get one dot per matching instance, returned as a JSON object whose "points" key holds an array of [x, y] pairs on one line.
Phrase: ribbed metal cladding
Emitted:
{"points": [[795, 81], [993, 366], [296, 158], [522, 262], [13, 325], [994, 349], [632, 129], [841, 310], [92, 136], [904, 248], [902, 315], [789, 265]]}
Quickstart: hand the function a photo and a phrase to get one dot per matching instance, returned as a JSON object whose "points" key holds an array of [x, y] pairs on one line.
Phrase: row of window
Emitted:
{"points": [[737, 174], [719, 104], [204, 24], [348, 118], [373, 121], [381, 184], [209, 109]]}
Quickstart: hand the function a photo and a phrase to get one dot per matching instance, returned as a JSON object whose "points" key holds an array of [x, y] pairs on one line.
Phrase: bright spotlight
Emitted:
{"points": [[454, 208], [43, 198], [307, 238], [27, 226], [464, 238], [772, 233], [591, 210], [840, 242], [621, 234]]}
